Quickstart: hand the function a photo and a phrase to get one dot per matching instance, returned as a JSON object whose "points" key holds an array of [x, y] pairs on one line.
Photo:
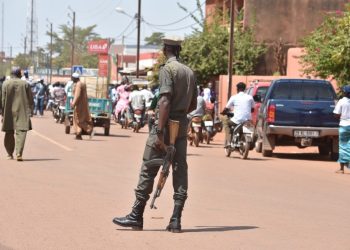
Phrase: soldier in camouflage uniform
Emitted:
{"points": [[177, 97]]}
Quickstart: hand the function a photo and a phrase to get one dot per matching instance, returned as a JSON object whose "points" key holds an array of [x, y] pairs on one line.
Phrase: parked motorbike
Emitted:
{"points": [[241, 139], [195, 131]]}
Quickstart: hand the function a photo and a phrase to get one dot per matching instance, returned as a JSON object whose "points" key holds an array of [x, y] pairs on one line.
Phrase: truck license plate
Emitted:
{"points": [[306, 133], [208, 123]]}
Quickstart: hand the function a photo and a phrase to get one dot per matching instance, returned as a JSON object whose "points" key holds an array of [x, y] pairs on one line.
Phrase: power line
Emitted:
{"points": [[175, 29], [132, 31], [175, 22], [127, 27]]}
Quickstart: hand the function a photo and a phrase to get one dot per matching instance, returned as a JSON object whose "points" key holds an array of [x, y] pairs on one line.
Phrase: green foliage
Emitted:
{"points": [[154, 39], [246, 51], [155, 77], [62, 47], [22, 60], [328, 48], [206, 52]]}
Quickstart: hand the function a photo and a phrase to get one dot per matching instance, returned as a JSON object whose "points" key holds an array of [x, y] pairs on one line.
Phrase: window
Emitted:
{"points": [[310, 91]]}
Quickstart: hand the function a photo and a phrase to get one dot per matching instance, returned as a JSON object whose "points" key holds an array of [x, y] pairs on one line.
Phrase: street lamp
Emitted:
{"points": [[138, 18]]}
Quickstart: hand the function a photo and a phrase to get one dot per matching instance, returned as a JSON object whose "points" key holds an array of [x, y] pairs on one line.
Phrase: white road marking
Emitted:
{"points": [[52, 141]]}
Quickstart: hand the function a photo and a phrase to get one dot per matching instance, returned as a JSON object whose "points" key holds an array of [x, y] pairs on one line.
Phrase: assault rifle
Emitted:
{"points": [[167, 161]]}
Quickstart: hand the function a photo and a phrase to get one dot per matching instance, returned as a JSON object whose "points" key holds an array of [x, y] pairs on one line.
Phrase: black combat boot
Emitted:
{"points": [[175, 220], [134, 219]]}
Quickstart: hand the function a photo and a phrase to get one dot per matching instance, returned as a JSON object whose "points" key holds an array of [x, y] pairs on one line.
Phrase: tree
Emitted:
{"points": [[62, 46], [154, 39], [247, 51], [22, 60], [155, 77], [327, 49], [206, 52]]}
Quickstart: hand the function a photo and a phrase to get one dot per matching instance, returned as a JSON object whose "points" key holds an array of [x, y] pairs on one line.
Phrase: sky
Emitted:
{"points": [[158, 14]]}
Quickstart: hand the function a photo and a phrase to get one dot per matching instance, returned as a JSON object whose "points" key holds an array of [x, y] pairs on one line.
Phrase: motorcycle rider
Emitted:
{"points": [[123, 100], [148, 95], [137, 102], [243, 106], [200, 109]]}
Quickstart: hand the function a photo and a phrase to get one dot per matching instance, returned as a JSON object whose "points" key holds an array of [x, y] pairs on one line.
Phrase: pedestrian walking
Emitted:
{"points": [[40, 97], [177, 97], [17, 104], [342, 112], [82, 121]]}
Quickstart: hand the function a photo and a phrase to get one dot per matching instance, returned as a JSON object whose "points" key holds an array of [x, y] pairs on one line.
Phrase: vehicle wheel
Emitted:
{"points": [[323, 150], [196, 139], [227, 152], [258, 146], [207, 138], [107, 131], [244, 149], [67, 129], [266, 153]]}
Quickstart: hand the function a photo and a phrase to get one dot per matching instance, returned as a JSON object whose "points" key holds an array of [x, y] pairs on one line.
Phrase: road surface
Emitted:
{"points": [[66, 193]]}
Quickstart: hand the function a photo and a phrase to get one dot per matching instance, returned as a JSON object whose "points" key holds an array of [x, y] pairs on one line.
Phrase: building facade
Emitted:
{"points": [[286, 21]]}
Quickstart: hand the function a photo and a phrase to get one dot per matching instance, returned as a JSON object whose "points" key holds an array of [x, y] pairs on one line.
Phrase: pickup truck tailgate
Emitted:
{"points": [[304, 113]]}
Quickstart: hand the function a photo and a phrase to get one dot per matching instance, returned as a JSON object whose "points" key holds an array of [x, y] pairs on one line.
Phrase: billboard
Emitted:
{"points": [[98, 46], [103, 65]]}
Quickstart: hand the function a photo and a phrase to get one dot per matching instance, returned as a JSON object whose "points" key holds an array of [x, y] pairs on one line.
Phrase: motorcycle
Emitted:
{"points": [[58, 112], [241, 139], [195, 131], [123, 118], [138, 120], [211, 127]]}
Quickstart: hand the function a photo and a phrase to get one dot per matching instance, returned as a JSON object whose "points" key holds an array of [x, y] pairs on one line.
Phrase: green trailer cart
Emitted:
{"points": [[100, 109]]}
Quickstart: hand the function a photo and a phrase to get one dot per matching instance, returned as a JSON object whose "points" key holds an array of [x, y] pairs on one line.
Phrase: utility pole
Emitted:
{"points": [[25, 45], [2, 27], [230, 52], [122, 60], [31, 31], [73, 39], [138, 38], [50, 61]]}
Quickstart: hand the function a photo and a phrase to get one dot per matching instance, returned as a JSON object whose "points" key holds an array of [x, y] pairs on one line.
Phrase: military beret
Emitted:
{"points": [[172, 40]]}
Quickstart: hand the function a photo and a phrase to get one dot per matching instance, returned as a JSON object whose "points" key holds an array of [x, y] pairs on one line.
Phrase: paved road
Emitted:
{"points": [[66, 192]]}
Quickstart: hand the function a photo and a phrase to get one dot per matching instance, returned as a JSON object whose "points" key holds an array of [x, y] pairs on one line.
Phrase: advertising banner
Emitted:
{"points": [[103, 65], [98, 46]]}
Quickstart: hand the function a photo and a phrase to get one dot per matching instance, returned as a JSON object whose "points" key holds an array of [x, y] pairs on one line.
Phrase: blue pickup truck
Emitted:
{"points": [[298, 112]]}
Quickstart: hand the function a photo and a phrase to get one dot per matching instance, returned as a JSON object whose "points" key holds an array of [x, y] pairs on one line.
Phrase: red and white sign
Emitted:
{"points": [[103, 65], [99, 46]]}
